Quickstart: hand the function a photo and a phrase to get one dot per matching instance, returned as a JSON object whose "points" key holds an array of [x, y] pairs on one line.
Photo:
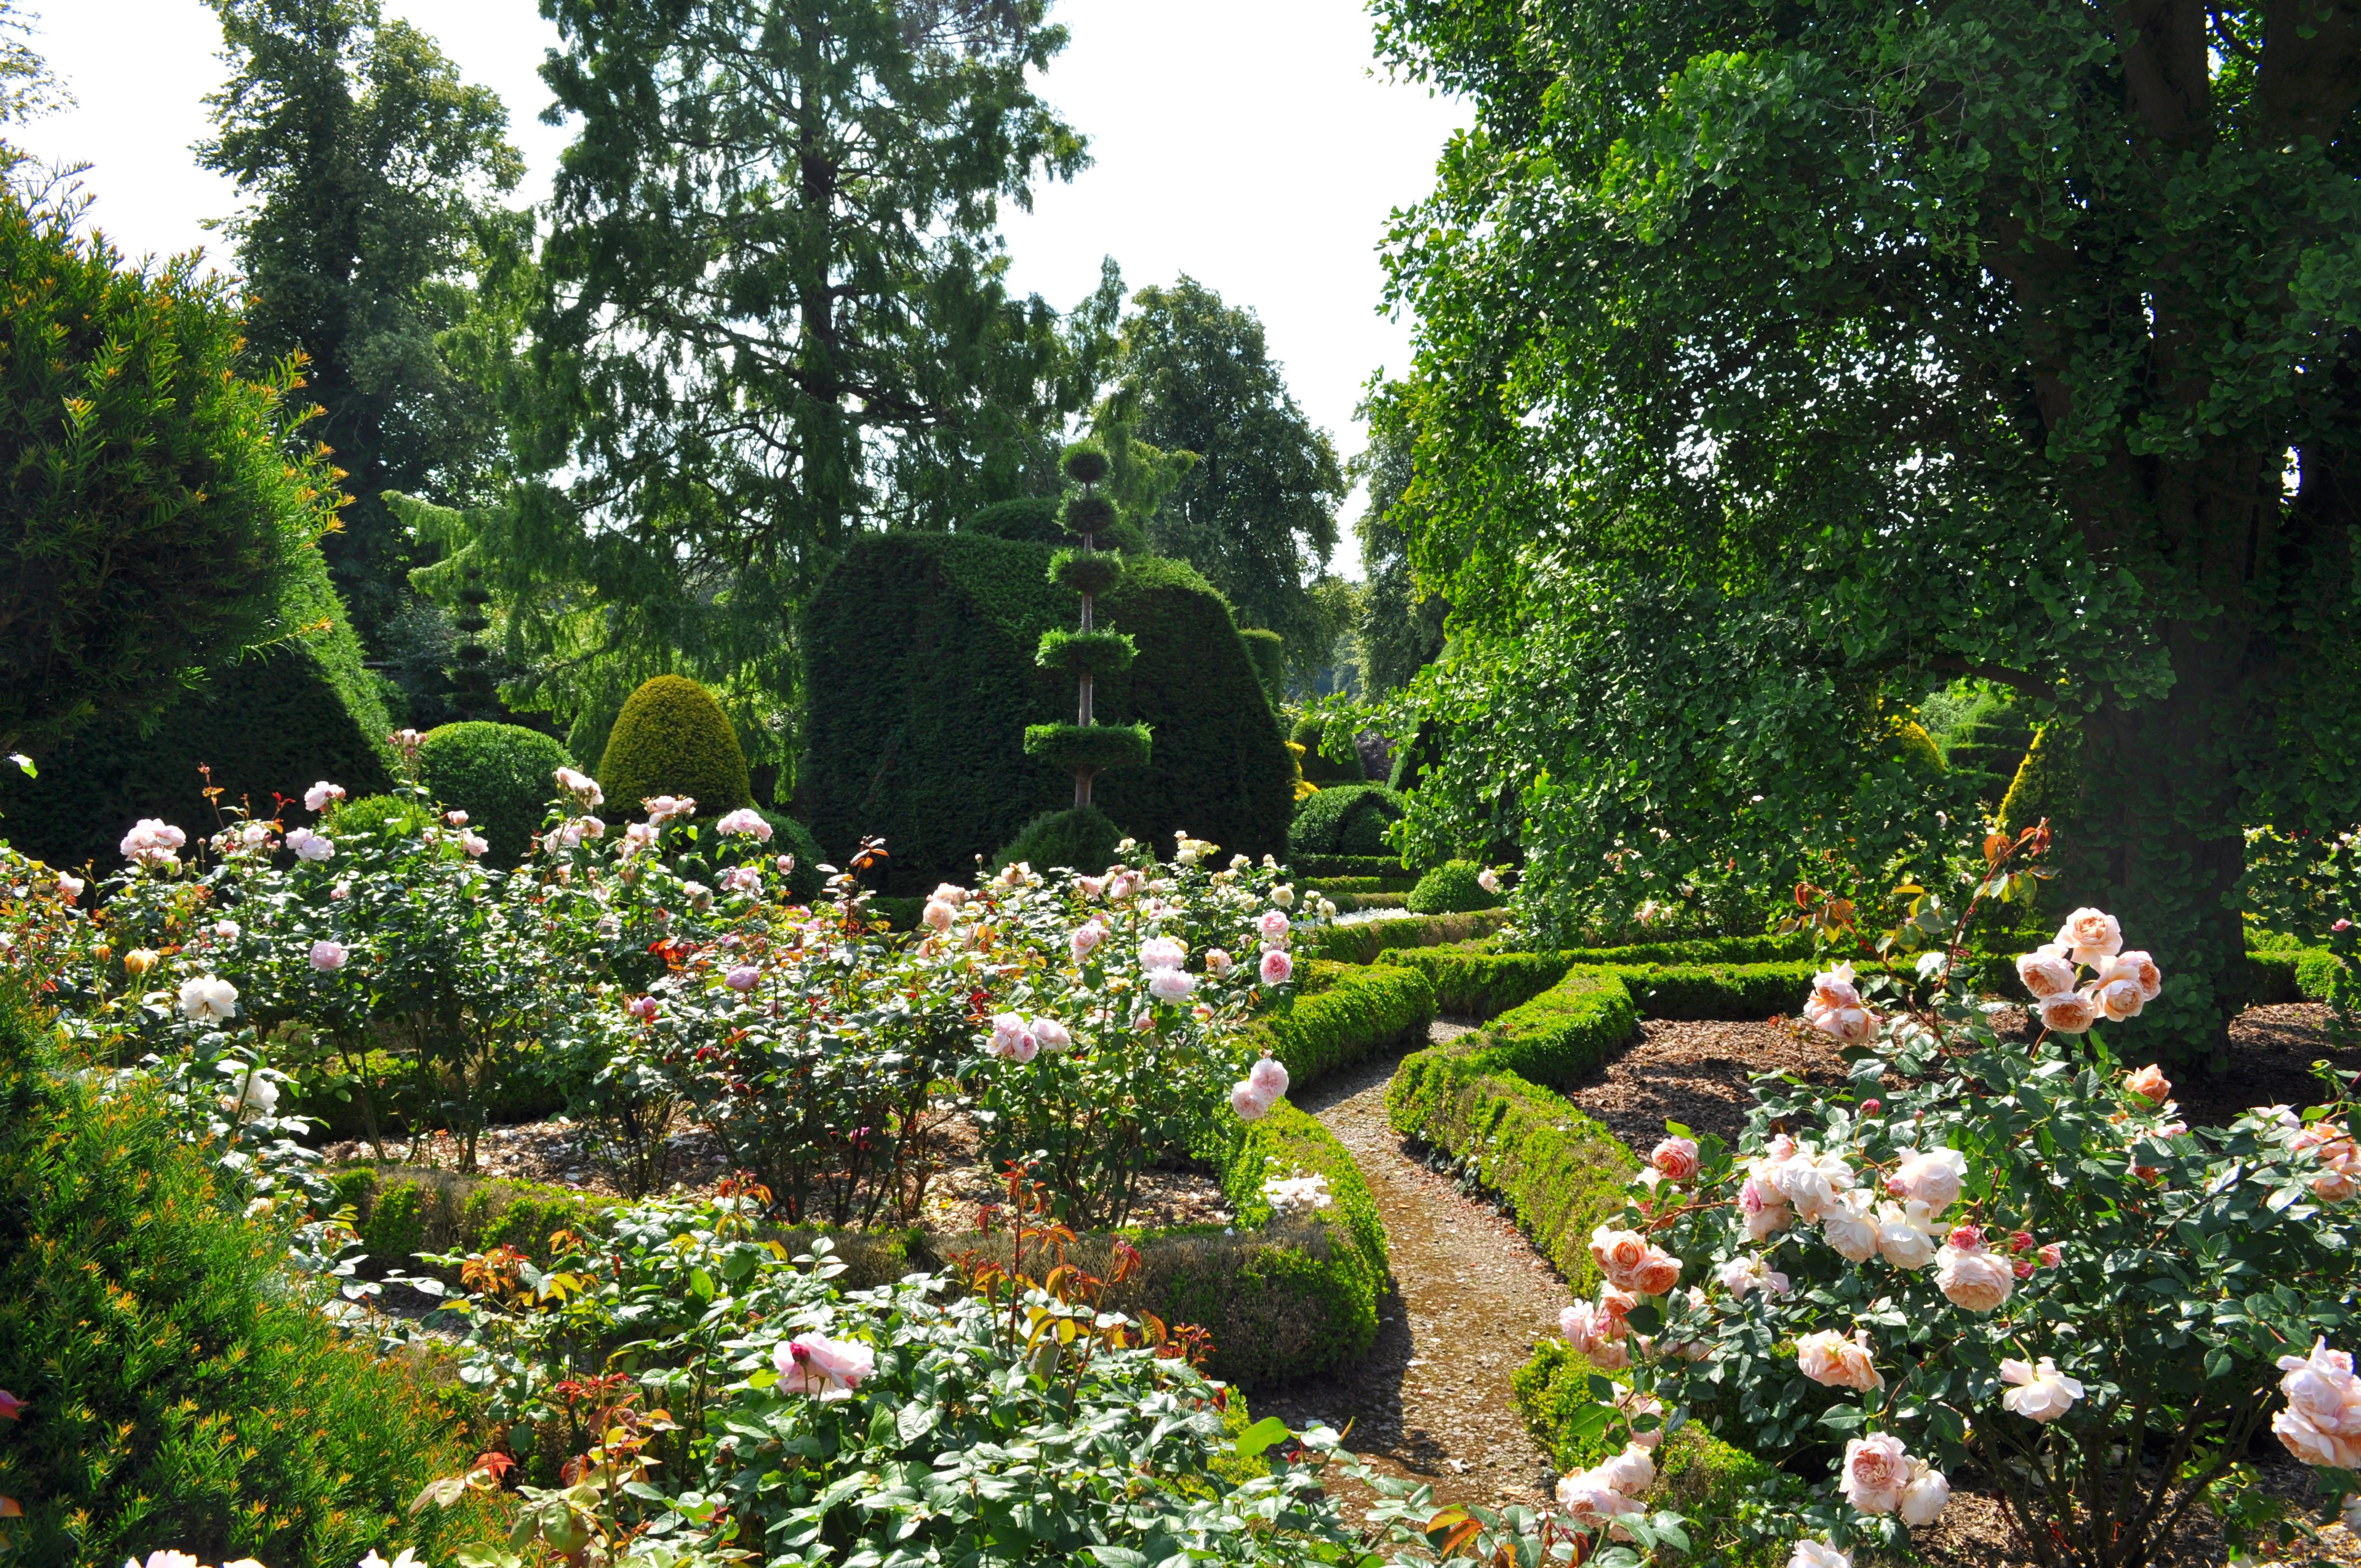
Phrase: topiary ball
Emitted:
{"points": [[1450, 888], [1344, 819], [1086, 572], [1082, 839], [1086, 515], [672, 738], [1085, 463], [502, 775]]}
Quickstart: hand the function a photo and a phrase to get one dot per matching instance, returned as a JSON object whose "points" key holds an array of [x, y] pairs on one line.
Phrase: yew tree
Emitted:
{"points": [[2008, 338]]}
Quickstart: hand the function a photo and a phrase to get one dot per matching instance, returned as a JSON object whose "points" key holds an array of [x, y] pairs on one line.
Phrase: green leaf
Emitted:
{"points": [[1261, 1435]]}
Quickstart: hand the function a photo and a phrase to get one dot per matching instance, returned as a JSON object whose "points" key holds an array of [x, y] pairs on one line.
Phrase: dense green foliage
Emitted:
{"points": [[1982, 735], [1033, 519], [268, 727], [1348, 819], [1256, 514], [370, 173], [157, 506], [1696, 519], [1323, 770], [921, 663], [175, 1392], [1337, 1019], [1401, 626], [1080, 838], [1361, 942], [502, 775], [1267, 648], [1451, 888], [673, 738]]}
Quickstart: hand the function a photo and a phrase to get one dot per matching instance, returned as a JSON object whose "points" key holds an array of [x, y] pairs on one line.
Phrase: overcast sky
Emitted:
{"points": [[1244, 142]]}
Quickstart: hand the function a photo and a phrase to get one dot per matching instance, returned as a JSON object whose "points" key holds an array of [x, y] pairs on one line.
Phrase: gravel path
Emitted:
{"points": [[1431, 1402]]}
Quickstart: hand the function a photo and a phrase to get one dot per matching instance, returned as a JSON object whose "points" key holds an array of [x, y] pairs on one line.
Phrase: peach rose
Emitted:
{"points": [[1830, 1358], [1847, 1026], [1973, 1277], [2041, 1393], [1765, 1210], [2119, 999], [2068, 1012], [2045, 971], [1831, 990], [2151, 1084], [1659, 1271], [1617, 1253], [1675, 1159], [1931, 1177], [1905, 1233], [1875, 1473], [2139, 969], [2090, 935], [1631, 1472], [1850, 1225], [1927, 1495]]}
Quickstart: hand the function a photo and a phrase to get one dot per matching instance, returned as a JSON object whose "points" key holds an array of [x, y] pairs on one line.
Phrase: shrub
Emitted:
{"points": [[1729, 991], [1344, 820], [158, 501], [1359, 1011], [1452, 888], [1033, 520], [1081, 839], [502, 775], [2048, 783], [1266, 650], [1361, 942], [920, 650], [268, 727], [1559, 1172], [1473, 983], [672, 738], [1386, 869], [177, 1392], [1324, 771]]}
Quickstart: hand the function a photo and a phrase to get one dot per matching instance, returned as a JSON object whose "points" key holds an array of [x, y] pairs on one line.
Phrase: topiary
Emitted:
{"points": [[672, 738], [919, 652], [1918, 747], [177, 1392], [502, 775], [1344, 819], [1082, 839], [1084, 748], [268, 727], [1033, 519], [1267, 648], [1320, 770], [1451, 888], [2048, 783]]}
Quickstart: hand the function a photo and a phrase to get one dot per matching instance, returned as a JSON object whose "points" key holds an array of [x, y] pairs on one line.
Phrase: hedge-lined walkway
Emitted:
{"points": [[1431, 1402]]}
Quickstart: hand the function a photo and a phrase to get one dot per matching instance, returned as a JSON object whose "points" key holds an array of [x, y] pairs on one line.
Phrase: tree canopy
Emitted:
{"points": [[1257, 513], [372, 173], [1832, 350]]}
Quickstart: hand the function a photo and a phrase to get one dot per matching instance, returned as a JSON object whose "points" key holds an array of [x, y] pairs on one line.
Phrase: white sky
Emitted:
{"points": [[1245, 142]]}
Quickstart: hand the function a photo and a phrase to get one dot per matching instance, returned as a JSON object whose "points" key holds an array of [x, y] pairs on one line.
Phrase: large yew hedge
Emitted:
{"points": [[919, 649]]}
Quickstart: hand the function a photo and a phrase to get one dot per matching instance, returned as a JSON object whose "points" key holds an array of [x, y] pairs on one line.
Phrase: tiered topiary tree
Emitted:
{"points": [[1086, 748]]}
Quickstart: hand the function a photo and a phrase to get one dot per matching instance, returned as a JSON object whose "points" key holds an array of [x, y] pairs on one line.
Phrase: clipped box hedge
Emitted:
{"points": [[1474, 983], [1471, 980], [1341, 1014], [1362, 941], [2300, 974], [1388, 868], [1723, 991]]}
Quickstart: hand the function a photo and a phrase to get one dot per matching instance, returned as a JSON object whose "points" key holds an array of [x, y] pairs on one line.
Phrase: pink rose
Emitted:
{"points": [[1766, 1212], [2151, 1084], [742, 977], [1273, 926], [474, 845], [1831, 1359], [1269, 1075], [317, 797], [1085, 939], [2045, 971], [327, 956], [1875, 1473], [1051, 1035], [1676, 1158], [1595, 1335], [1833, 990], [937, 915], [455, 819], [1973, 1277], [1741, 1276], [1818, 1554], [1850, 1225], [2091, 935], [825, 1368], [1930, 1176], [1847, 1026], [642, 1008], [1250, 1103], [1588, 1500], [744, 822], [2068, 1012], [742, 879], [1161, 952], [1277, 967], [1172, 985], [2041, 1393], [663, 808]]}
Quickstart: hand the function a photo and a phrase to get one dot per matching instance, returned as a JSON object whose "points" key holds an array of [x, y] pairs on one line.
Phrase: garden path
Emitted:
{"points": [[1431, 1402]]}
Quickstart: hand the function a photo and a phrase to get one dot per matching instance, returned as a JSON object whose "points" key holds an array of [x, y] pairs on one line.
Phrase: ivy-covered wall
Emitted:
{"points": [[919, 652]]}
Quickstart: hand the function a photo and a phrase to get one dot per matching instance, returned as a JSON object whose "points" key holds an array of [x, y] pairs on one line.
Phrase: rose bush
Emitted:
{"points": [[2013, 1258]]}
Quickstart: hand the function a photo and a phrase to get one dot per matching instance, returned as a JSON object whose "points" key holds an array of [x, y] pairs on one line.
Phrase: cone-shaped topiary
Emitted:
{"points": [[1086, 748], [672, 738]]}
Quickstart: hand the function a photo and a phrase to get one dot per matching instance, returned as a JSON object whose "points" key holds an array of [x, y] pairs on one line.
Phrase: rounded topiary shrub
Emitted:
{"points": [[1451, 888], [379, 816], [1082, 840], [1033, 519], [1344, 819], [1323, 770], [672, 738], [502, 775]]}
